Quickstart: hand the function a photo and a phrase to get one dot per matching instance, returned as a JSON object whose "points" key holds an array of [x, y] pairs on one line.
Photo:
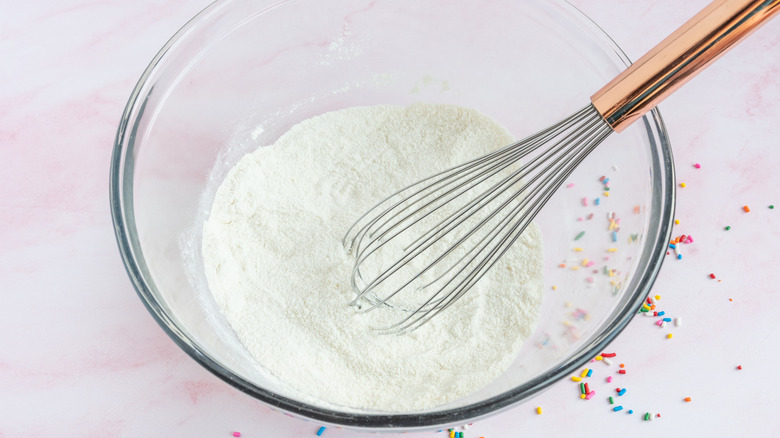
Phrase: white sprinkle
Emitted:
{"points": [[648, 313], [678, 321], [606, 361], [465, 427], [663, 324]]}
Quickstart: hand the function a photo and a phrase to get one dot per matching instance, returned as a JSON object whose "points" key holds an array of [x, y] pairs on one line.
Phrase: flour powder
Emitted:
{"points": [[275, 265]]}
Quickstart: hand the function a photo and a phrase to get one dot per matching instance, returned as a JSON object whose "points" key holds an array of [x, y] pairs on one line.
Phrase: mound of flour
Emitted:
{"points": [[275, 265]]}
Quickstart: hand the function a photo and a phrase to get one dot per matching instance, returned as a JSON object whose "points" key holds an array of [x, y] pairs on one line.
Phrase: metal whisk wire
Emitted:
{"points": [[482, 228]]}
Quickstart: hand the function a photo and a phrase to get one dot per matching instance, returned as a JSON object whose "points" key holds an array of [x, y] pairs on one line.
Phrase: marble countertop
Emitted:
{"points": [[81, 356]]}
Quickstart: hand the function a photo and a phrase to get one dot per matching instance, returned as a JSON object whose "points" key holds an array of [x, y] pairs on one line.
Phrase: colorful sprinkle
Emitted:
{"points": [[576, 379], [609, 379], [622, 391], [579, 236], [771, 207], [712, 275], [739, 367], [677, 221], [687, 399], [746, 208], [617, 408], [678, 321], [648, 416], [236, 434], [669, 336], [621, 371], [584, 202], [682, 185], [322, 429], [697, 165], [538, 410], [590, 372], [611, 400], [608, 354], [630, 411], [728, 227], [596, 201], [590, 395]]}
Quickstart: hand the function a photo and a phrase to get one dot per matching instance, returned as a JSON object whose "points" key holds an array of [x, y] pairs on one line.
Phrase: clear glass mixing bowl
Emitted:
{"points": [[241, 73]]}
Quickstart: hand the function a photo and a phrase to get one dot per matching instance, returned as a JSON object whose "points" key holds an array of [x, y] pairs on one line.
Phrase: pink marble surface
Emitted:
{"points": [[80, 355]]}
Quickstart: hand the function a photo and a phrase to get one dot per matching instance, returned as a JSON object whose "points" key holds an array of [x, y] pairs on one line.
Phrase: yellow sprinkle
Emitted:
{"points": [[612, 225], [582, 395], [682, 185], [657, 297], [677, 221], [584, 373], [611, 272], [612, 283], [538, 410], [646, 306], [452, 434], [575, 268], [599, 357], [577, 249], [555, 287], [669, 336], [585, 261], [606, 193], [612, 250], [576, 379]]}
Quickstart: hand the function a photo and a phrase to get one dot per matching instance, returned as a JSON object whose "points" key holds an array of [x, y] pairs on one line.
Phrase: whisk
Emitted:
{"points": [[428, 244]]}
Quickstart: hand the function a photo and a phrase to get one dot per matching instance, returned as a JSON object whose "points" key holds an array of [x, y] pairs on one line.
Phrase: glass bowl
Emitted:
{"points": [[241, 73]]}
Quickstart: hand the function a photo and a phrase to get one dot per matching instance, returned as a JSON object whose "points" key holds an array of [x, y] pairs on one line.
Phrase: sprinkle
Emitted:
{"points": [[602, 178], [598, 357], [697, 165], [582, 396], [609, 379], [596, 201], [590, 395], [590, 373], [771, 207], [579, 236], [614, 236], [465, 427], [661, 313], [669, 336], [621, 371], [630, 411], [611, 401], [677, 221], [608, 354], [746, 208], [712, 275], [739, 367], [584, 373], [576, 379], [612, 250], [622, 391], [587, 388], [538, 410], [577, 249], [617, 408], [236, 434], [682, 185], [648, 416], [584, 202], [678, 321], [667, 319], [637, 209], [687, 399], [582, 388], [657, 297], [569, 185], [452, 433], [322, 429]]}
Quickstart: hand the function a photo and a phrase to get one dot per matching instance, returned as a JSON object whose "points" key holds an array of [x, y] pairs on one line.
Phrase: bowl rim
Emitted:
{"points": [[120, 198]]}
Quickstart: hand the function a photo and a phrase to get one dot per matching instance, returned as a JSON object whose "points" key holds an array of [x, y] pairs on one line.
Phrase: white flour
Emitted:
{"points": [[275, 264]]}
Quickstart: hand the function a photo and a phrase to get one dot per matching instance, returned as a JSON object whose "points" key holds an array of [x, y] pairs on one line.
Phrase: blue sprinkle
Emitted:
{"points": [[597, 201], [606, 181], [622, 391], [661, 313], [679, 256], [617, 408], [614, 236], [590, 372], [322, 429], [630, 411], [668, 319], [671, 245]]}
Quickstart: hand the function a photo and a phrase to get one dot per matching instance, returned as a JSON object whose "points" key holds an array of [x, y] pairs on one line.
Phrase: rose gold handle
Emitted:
{"points": [[678, 58]]}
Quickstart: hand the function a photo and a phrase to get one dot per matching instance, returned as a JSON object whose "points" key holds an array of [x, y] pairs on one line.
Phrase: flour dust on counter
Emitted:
{"points": [[278, 271]]}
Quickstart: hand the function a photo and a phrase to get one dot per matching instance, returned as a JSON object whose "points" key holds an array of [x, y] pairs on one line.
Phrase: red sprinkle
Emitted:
{"points": [[712, 275], [608, 354], [587, 388], [622, 371], [739, 367]]}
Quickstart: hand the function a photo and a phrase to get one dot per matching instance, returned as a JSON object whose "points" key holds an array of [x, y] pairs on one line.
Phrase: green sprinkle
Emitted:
{"points": [[771, 206], [579, 236], [728, 227], [582, 387], [611, 401], [647, 416]]}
